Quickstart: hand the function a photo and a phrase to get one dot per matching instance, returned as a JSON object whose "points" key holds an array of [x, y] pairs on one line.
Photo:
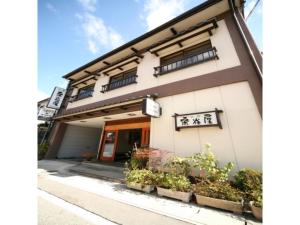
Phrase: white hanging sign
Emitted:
{"points": [[151, 108], [56, 98], [45, 113]]}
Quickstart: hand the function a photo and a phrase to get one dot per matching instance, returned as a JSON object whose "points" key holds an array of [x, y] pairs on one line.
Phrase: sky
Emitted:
{"points": [[72, 33]]}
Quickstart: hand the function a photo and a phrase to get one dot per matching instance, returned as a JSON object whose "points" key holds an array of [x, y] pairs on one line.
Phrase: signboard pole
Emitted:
{"points": [[48, 128]]}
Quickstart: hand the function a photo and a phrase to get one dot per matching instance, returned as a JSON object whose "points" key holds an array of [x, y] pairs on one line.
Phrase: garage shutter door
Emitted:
{"points": [[77, 140]]}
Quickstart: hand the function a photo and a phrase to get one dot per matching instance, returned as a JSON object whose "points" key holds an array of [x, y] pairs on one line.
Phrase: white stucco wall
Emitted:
{"points": [[227, 58], [240, 140]]}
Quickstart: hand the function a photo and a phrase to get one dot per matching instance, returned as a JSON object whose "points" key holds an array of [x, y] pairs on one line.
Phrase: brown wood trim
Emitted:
{"points": [[247, 67], [115, 146], [99, 113], [251, 41], [127, 126], [100, 142], [127, 121], [55, 140]]}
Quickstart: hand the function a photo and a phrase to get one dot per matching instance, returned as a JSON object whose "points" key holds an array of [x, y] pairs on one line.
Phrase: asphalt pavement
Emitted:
{"points": [[55, 211]]}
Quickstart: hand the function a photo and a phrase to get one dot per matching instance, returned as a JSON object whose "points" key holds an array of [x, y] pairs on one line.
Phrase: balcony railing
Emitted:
{"points": [[186, 62], [119, 83], [81, 96]]}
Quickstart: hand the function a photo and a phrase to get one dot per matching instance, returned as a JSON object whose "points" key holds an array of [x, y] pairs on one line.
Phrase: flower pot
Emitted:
{"points": [[256, 211], [235, 207], [140, 187], [183, 196]]}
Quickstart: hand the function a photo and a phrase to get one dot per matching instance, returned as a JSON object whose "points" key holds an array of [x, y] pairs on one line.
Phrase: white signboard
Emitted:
{"points": [[201, 119], [56, 98], [151, 108], [45, 113]]}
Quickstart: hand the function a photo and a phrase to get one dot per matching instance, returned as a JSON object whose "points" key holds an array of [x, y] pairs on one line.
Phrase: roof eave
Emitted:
{"points": [[188, 13]]}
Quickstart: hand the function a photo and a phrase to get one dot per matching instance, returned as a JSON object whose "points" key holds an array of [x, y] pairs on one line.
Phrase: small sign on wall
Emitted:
{"points": [[199, 119], [151, 108]]}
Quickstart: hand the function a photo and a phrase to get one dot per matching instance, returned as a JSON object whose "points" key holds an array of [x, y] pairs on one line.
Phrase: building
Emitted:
{"points": [[204, 60]]}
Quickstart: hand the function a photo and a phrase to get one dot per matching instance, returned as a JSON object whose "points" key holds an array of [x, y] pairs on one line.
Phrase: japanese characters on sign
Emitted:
{"points": [[56, 98], [200, 119], [151, 108], [45, 113]]}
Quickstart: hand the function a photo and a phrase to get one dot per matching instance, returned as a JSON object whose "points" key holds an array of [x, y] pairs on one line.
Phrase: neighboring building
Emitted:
{"points": [[44, 113], [44, 116], [196, 62]]}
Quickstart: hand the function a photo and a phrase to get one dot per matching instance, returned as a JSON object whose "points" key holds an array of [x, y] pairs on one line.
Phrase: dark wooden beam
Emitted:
{"points": [[120, 68], [104, 111], [188, 30], [173, 30], [181, 40], [123, 107], [136, 61], [134, 49], [105, 73], [106, 63], [83, 80], [91, 73]]}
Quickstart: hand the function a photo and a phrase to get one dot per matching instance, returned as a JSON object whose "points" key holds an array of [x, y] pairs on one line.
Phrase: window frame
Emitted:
{"points": [[78, 97], [181, 54], [122, 75]]}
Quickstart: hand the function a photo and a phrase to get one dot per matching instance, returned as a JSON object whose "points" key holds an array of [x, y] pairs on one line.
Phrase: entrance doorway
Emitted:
{"points": [[127, 140], [120, 137]]}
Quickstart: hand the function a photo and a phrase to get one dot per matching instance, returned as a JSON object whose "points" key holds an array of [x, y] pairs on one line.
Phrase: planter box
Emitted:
{"points": [[183, 196], [235, 207], [257, 212], [140, 187]]}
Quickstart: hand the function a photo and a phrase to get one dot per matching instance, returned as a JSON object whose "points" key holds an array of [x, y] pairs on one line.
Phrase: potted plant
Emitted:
{"points": [[174, 186], [250, 182], [208, 166], [219, 195], [88, 155], [142, 180], [256, 205]]}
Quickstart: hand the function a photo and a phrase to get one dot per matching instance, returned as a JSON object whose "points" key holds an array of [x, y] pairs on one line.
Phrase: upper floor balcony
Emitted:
{"points": [[186, 61], [119, 82]]}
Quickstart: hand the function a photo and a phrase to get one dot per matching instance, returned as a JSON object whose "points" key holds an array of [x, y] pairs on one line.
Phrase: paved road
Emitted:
{"points": [[55, 211]]}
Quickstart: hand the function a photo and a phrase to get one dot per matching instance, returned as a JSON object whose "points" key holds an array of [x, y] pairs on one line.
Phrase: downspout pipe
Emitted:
{"points": [[232, 8]]}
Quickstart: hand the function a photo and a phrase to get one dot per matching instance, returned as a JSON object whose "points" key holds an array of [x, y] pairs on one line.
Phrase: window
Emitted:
{"points": [[120, 80], [187, 57], [85, 92], [186, 53]]}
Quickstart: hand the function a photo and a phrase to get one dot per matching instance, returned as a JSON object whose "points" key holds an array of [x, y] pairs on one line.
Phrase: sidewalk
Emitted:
{"points": [[117, 203]]}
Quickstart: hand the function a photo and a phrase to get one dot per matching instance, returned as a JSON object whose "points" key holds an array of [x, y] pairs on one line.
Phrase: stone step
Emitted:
{"points": [[102, 172]]}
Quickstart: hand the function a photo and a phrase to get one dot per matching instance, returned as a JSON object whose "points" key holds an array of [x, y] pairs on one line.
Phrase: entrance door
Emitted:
{"points": [[109, 145], [127, 140]]}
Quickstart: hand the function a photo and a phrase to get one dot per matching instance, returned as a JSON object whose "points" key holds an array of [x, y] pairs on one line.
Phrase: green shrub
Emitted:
{"points": [[219, 190], [207, 162], [248, 180], [144, 177], [173, 181], [178, 165], [42, 150], [257, 198]]}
